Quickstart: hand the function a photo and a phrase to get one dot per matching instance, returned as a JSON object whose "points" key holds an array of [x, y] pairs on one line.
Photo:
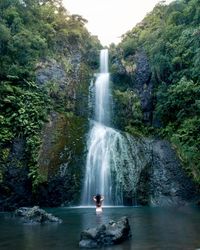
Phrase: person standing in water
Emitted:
{"points": [[98, 201]]}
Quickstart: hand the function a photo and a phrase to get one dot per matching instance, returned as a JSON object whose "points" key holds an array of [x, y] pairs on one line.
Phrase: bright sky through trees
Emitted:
{"points": [[109, 19]]}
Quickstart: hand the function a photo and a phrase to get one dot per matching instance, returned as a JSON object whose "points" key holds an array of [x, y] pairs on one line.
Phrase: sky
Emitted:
{"points": [[110, 19]]}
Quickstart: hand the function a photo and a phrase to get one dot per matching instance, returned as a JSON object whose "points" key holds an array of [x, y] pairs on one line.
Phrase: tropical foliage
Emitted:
{"points": [[170, 37], [30, 32]]}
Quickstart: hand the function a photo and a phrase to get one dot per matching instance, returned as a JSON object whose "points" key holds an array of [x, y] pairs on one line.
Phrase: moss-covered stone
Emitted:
{"points": [[62, 156]]}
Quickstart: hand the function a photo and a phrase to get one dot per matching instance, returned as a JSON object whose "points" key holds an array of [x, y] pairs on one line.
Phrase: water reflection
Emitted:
{"points": [[152, 228], [99, 218]]}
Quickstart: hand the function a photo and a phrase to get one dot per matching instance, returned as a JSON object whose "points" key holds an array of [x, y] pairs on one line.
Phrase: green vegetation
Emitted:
{"points": [[31, 33], [24, 111], [170, 37], [127, 105], [40, 38]]}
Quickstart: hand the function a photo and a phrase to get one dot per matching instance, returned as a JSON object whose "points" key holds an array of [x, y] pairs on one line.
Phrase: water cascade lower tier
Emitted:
{"points": [[112, 161]]}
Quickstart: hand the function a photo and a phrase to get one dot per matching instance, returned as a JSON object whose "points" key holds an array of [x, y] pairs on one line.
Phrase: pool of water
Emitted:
{"points": [[152, 228]]}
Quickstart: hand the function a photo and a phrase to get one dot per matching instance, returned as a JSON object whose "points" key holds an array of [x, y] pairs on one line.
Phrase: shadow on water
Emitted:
{"points": [[152, 228]]}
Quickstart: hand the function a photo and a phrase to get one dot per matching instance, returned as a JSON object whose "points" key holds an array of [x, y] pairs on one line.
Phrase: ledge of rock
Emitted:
{"points": [[36, 215], [106, 234]]}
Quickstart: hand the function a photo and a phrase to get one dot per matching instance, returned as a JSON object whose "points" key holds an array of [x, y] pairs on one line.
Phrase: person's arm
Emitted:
{"points": [[94, 198], [102, 198]]}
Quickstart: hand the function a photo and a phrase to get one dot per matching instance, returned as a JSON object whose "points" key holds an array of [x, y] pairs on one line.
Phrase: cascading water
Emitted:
{"points": [[98, 174], [110, 153]]}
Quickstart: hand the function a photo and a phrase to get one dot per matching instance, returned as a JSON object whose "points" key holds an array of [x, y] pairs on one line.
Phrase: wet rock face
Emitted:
{"points": [[61, 72], [51, 71], [66, 79], [62, 151], [169, 184], [61, 160], [142, 82], [162, 181], [142, 72], [35, 215], [106, 234]]}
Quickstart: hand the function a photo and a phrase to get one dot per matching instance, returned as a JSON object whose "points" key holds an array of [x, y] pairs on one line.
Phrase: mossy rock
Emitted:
{"points": [[63, 142]]}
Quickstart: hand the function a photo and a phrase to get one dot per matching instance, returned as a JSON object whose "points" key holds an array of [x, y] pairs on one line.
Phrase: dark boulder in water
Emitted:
{"points": [[36, 215], [106, 234]]}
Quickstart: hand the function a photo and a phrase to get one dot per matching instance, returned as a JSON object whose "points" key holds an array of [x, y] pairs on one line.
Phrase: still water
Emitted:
{"points": [[152, 228]]}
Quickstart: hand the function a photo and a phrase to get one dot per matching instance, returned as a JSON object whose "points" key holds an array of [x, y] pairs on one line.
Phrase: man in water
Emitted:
{"points": [[98, 201]]}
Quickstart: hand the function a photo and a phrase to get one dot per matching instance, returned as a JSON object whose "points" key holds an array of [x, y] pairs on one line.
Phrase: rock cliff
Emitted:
{"points": [[159, 177]]}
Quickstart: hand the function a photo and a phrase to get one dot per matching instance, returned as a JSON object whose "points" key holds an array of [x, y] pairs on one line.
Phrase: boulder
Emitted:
{"points": [[36, 215], [106, 234]]}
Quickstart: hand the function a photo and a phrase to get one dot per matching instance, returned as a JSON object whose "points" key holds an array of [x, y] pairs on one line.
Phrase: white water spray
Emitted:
{"points": [[109, 151], [98, 174]]}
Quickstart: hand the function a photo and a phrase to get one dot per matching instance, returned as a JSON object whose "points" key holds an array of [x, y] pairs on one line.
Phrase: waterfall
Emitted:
{"points": [[111, 164], [98, 173]]}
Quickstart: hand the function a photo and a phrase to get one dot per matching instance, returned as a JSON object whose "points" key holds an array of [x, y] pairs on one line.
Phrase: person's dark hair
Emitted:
{"points": [[98, 198]]}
